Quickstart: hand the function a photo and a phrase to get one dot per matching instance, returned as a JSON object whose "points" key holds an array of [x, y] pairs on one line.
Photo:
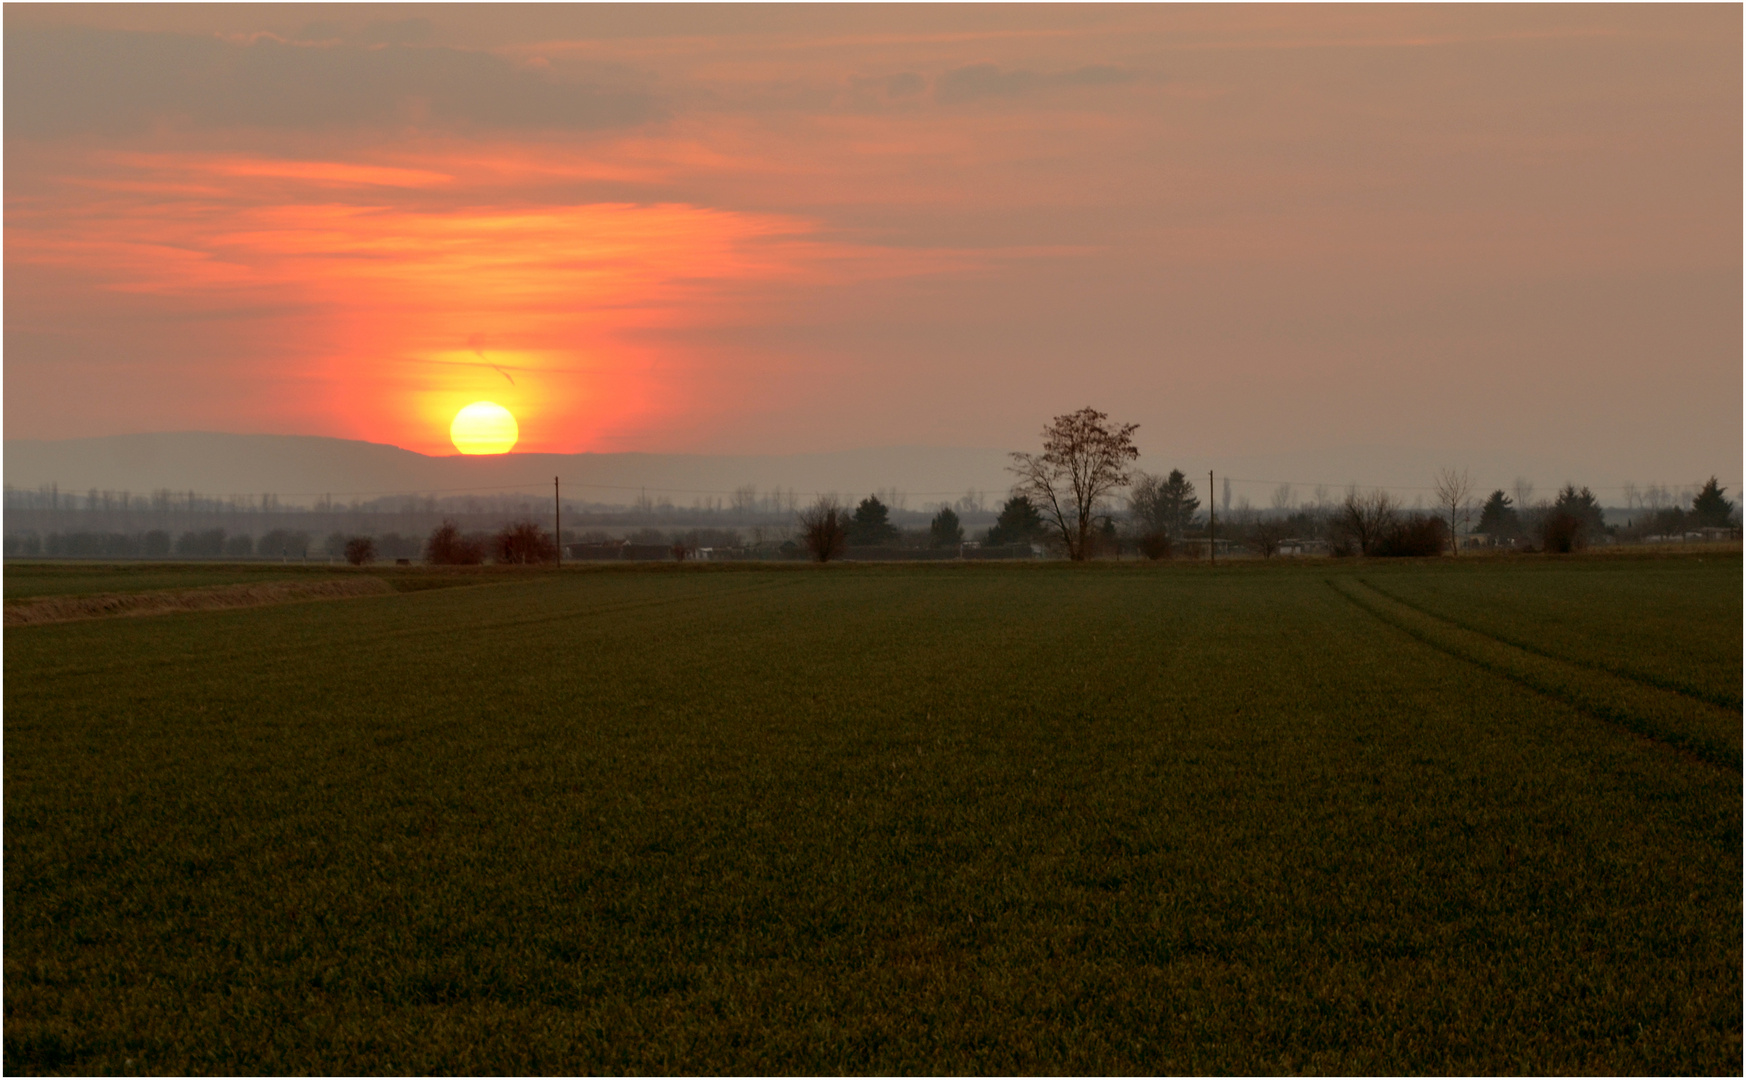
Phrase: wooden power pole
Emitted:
{"points": [[557, 521], [1212, 522]]}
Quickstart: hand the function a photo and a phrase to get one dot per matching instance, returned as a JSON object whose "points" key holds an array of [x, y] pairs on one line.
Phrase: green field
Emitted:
{"points": [[1457, 816]]}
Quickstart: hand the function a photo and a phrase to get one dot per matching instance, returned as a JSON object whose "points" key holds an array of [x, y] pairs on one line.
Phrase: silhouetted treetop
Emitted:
{"points": [[1710, 507], [1085, 459]]}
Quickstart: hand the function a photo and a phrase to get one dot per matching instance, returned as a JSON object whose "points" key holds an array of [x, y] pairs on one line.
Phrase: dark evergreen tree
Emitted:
{"points": [[1710, 507], [1018, 523], [1584, 508], [1177, 503], [1498, 516], [1162, 506], [945, 530], [871, 525]]}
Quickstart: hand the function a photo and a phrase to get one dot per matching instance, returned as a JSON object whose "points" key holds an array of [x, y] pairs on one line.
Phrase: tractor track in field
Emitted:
{"points": [[618, 607], [49, 610], [1696, 693], [1695, 729]]}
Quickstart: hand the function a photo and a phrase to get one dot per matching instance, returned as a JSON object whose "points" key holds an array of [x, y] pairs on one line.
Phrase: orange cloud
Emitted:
{"points": [[404, 314]]}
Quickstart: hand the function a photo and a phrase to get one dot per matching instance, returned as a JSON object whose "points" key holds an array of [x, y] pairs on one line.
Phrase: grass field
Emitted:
{"points": [[1458, 816]]}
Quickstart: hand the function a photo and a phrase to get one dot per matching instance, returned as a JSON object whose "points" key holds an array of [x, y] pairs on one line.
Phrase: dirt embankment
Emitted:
{"points": [[53, 609]]}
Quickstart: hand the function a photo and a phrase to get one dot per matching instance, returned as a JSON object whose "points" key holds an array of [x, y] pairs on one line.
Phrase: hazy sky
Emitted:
{"points": [[1254, 230]]}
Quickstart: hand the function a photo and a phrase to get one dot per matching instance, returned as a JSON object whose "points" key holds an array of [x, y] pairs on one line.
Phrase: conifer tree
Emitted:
{"points": [[1710, 507]]}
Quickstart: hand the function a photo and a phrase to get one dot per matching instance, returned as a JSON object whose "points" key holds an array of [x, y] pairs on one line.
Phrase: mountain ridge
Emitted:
{"points": [[312, 466]]}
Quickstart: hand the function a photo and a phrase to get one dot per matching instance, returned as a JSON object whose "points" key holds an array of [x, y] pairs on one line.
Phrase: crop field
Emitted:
{"points": [[1451, 816]]}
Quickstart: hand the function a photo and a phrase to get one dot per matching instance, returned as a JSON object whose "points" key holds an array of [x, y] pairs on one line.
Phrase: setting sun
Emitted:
{"points": [[484, 427]]}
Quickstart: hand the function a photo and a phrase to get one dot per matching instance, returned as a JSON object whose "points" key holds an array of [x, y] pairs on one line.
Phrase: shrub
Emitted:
{"points": [[447, 547], [360, 550], [523, 543], [824, 529], [1562, 532], [1156, 545], [1266, 536], [1414, 537]]}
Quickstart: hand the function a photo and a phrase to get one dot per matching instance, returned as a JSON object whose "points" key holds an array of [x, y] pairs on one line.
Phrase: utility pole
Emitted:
{"points": [[557, 521], [1212, 522]]}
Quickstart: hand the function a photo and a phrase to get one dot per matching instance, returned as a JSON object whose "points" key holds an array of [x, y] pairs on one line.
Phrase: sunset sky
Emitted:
{"points": [[1506, 231]]}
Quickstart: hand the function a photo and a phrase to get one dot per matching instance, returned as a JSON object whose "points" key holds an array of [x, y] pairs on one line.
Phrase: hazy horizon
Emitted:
{"points": [[304, 468], [1324, 245]]}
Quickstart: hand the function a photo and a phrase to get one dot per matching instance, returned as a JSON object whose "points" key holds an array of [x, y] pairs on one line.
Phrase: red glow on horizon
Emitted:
{"points": [[411, 312]]}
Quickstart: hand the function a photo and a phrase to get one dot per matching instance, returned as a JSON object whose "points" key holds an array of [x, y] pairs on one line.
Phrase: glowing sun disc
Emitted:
{"points": [[484, 427]]}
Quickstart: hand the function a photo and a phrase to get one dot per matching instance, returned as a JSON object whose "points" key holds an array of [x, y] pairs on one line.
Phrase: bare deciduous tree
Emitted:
{"points": [[1265, 537], [824, 528], [745, 500], [1455, 499], [1524, 489], [360, 550], [447, 547], [522, 544], [1085, 458], [1366, 519]]}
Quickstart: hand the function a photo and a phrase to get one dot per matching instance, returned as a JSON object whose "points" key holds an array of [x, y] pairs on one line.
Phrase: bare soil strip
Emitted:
{"points": [[1700, 730], [56, 609]]}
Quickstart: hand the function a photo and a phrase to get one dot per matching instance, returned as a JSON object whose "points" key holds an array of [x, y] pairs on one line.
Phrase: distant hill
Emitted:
{"points": [[301, 468]]}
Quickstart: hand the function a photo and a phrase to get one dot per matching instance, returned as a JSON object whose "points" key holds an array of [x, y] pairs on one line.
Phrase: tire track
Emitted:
{"points": [[1697, 693], [1696, 729]]}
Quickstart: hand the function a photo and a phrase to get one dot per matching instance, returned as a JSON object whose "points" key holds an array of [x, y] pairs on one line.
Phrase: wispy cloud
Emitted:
{"points": [[72, 80]]}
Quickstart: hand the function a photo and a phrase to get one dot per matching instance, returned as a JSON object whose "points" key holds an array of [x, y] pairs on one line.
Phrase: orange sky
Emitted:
{"points": [[762, 230]]}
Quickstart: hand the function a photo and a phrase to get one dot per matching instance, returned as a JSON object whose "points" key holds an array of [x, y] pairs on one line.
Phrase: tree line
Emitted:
{"points": [[1081, 497]]}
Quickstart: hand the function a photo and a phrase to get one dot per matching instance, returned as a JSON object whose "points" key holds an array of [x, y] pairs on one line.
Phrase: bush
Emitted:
{"points": [[360, 550], [1266, 536], [524, 544], [1156, 545], [447, 547], [1562, 532], [824, 529], [1414, 537], [239, 546]]}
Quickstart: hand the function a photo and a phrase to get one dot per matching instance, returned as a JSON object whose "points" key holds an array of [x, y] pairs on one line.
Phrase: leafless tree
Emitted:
{"points": [[360, 550], [447, 547], [745, 502], [1282, 499], [1085, 458], [523, 543], [1366, 519], [824, 528], [1265, 536], [1524, 489], [1455, 500]]}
